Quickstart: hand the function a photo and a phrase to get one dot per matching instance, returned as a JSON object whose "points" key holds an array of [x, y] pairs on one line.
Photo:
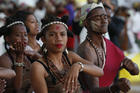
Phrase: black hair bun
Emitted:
{"points": [[43, 20], [70, 33], [64, 18]]}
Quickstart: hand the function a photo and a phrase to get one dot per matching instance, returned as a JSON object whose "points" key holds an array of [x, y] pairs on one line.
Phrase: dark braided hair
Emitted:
{"points": [[4, 30], [23, 16], [50, 19]]}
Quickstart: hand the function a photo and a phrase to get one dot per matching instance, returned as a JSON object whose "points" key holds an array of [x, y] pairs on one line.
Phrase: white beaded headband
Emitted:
{"points": [[54, 22], [16, 22]]}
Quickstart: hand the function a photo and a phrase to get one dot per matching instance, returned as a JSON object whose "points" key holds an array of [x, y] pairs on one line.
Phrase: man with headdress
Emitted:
{"points": [[103, 53]]}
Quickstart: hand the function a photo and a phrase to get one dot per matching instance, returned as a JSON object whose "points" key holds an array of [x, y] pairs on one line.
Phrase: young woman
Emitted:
{"points": [[32, 27], [15, 35], [57, 71]]}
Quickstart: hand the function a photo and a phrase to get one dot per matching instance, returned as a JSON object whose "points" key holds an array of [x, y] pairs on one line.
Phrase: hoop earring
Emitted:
{"points": [[66, 51]]}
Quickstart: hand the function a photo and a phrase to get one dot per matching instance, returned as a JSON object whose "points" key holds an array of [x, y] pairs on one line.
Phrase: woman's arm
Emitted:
{"points": [[89, 67], [6, 73], [38, 75], [18, 49]]}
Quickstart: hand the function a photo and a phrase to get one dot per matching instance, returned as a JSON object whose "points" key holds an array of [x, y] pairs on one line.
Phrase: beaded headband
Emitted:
{"points": [[85, 9], [55, 22], [16, 22]]}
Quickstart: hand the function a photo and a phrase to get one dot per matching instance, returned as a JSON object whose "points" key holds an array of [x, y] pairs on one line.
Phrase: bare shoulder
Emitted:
{"points": [[84, 49], [5, 61], [38, 68], [87, 52], [83, 45]]}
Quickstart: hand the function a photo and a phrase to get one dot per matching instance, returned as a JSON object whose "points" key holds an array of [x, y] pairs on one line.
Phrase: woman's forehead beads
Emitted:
{"points": [[54, 22], [14, 23]]}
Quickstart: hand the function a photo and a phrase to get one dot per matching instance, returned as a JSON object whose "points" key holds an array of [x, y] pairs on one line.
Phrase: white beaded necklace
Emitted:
{"points": [[97, 51]]}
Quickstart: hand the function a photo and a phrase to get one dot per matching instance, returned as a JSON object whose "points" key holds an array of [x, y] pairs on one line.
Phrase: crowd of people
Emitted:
{"points": [[60, 47]]}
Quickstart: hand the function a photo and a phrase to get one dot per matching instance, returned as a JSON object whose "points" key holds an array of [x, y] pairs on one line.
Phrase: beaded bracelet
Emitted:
{"points": [[19, 64], [82, 66]]}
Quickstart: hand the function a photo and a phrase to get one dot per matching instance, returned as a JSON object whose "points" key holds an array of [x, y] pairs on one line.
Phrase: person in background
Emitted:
{"points": [[118, 28], [32, 27], [76, 28], [40, 10], [60, 9], [108, 12], [102, 53], [71, 9], [134, 28]]}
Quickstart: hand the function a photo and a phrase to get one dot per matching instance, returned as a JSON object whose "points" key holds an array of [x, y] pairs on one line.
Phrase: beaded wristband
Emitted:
{"points": [[19, 64], [82, 66]]}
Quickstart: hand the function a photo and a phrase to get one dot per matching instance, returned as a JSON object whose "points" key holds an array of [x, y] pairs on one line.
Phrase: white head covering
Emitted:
{"points": [[87, 8]]}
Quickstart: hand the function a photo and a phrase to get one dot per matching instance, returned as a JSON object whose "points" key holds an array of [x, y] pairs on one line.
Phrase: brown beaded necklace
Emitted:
{"points": [[98, 53], [59, 75]]}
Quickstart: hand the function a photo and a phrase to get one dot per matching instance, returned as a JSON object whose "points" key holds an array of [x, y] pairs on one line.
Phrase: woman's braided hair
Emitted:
{"points": [[6, 29], [23, 15]]}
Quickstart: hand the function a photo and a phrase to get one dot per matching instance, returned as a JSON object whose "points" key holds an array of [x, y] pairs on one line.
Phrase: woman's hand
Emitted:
{"points": [[2, 85], [19, 47], [71, 79]]}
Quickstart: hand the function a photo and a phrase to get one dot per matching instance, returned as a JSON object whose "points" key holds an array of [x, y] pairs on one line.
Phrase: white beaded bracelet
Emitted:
{"points": [[82, 66], [19, 64]]}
